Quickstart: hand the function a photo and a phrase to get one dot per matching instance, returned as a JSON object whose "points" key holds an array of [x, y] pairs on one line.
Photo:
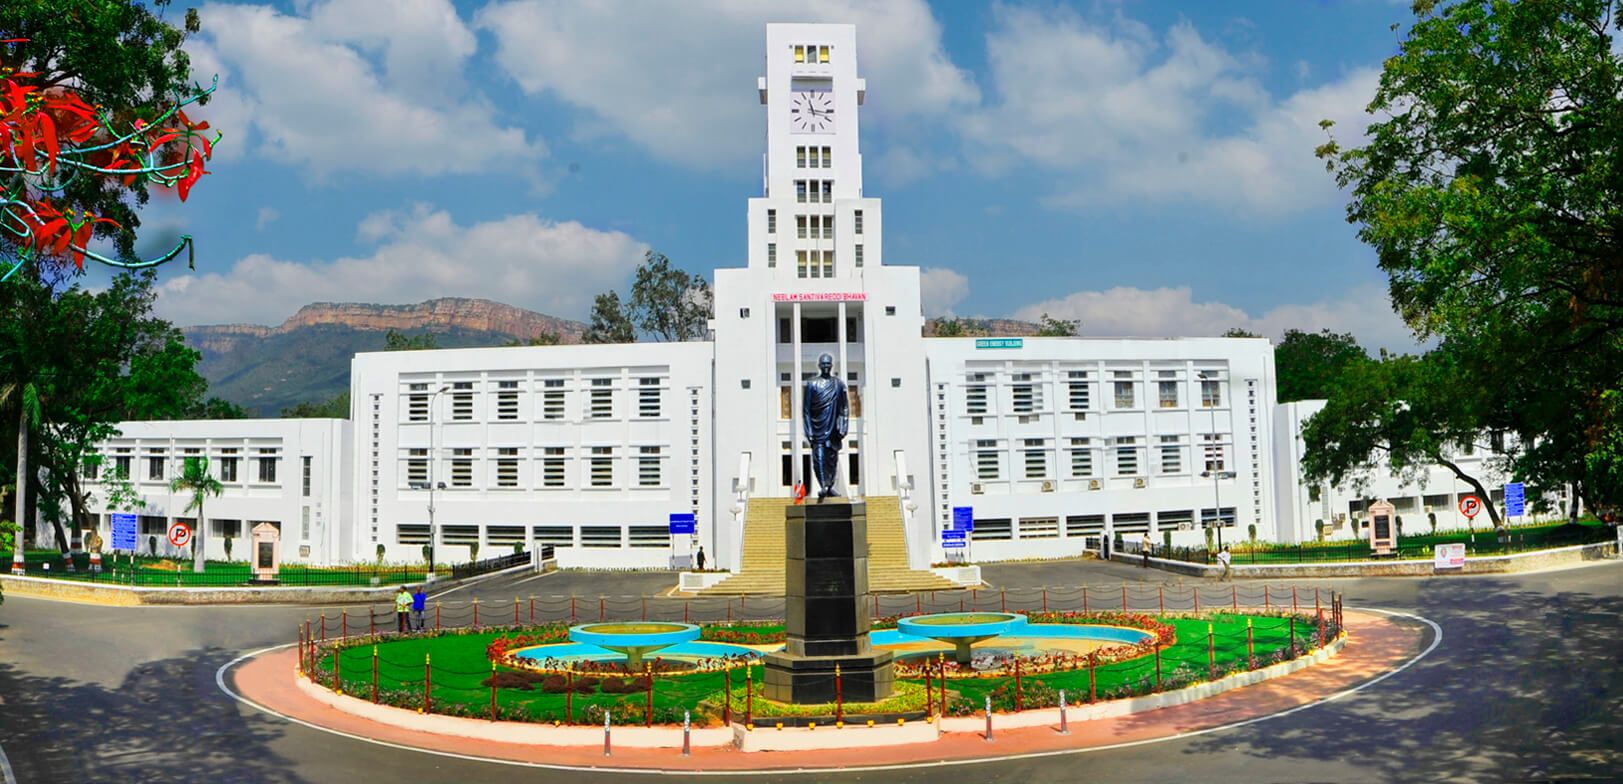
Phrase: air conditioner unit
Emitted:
{"points": [[1048, 487], [1093, 484], [975, 488], [1138, 483], [1186, 526]]}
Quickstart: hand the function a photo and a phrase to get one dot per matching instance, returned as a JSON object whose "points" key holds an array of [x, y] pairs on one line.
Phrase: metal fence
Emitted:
{"points": [[495, 564]]}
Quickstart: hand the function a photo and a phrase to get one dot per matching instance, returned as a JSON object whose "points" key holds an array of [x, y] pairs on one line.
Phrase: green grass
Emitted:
{"points": [[161, 572], [1414, 544], [461, 670]]}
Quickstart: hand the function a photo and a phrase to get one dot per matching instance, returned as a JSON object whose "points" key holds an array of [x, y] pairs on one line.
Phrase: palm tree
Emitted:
{"points": [[195, 479]]}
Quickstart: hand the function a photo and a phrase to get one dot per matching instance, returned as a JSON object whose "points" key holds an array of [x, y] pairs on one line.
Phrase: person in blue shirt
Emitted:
{"points": [[419, 603]]}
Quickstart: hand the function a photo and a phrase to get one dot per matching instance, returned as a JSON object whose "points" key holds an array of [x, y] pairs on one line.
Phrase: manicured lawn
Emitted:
{"points": [[461, 673], [148, 571], [1482, 542]]}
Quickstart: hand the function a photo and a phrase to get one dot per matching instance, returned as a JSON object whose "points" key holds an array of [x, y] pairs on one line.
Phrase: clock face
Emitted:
{"points": [[812, 111]]}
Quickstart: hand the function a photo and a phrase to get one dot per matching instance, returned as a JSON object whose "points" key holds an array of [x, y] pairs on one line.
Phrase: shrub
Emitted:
{"points": [[514, 680], [625, 685]]}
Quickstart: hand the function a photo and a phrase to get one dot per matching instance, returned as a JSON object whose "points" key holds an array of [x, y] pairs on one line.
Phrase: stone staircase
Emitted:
{"points": [[761, 571]]}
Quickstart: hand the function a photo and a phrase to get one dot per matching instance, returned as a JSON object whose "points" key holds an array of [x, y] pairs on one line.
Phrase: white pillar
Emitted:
{"points": [[795, 402]]}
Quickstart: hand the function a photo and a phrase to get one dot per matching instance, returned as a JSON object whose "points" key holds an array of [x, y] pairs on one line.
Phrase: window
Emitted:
{"points": [[856, 218], [1171, 455], [555, 535], [304, 525], [228, 465], [828, 191], [648, 398], [552, 467], [802, 222], [462, 468], [1169, 393], [828, 264], [1081, 459], [305, 469], [1084, 525], [828, 157], [462, 401], [600, 536], [1027, 396], [648, 474], [1214, 452], [857, 258], [507, 400], [771, 221], [155, 465], [1080, 396], [552, 400], [1211, 395], [772, 254], [1209, 516], [800, 191], [408, 533], [417, 403], [1039, 528], [416, 467], [1126, 456], [997, 530], [800, 158], [986, 459], [121, 466], [975, 399], [1036, 456], [90, 470], [1124, 394], [267, 469], [649, 535], [507, 466], [504, 536], [800, 263], [602, 398], [602, 466], [460, 534]]}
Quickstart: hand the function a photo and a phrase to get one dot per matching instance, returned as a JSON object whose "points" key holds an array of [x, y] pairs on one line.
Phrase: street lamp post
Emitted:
{"points": [[433, 457], [1217, 444]]}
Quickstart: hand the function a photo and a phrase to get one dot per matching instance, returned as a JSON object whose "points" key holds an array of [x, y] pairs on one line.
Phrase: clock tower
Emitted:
{"points": [[814, 284]]}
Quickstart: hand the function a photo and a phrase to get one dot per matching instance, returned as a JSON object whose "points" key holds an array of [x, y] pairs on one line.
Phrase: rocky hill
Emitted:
{"points": [[306, 358]]}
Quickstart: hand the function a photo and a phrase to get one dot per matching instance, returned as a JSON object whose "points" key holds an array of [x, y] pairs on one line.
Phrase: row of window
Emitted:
{"points": [[552, 400], [1078, 526], [814, 191], [597, 536], [814, 157], [550, 466], [812, 53], [224, 466], [1026, 393], [1037, 456]]}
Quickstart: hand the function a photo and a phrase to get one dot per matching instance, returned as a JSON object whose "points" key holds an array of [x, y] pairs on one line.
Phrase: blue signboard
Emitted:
{"points": [[123, 531], [684, 524], [1000, 342], [963, 518], [954, 535], [953, 545], [1515, 499]]}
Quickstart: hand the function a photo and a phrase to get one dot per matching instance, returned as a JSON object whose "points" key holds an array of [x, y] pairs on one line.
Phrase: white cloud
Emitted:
{"points": [[267, 216], [1173, 312], [522, 260], [1118, 114], [308, 88], [679, 80], [940, 289]]}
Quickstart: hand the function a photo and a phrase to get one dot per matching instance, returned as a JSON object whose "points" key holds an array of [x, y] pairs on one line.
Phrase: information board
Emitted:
{"points": [[963, 518], [1515, 499], [954, 535], [124, 531], [1449, 556], [684, 524]]}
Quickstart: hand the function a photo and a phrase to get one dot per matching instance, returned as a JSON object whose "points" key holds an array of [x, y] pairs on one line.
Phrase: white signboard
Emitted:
{"points": [[1449, 556]]}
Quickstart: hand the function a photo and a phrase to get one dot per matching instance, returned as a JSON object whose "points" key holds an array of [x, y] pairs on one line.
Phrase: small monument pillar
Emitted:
{"points": [[1383, 533], [267, 552]]}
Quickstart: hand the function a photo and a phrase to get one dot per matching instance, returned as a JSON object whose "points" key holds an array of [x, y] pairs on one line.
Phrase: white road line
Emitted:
{"points": [[1437, 639], [533, 578], [5, 769]]}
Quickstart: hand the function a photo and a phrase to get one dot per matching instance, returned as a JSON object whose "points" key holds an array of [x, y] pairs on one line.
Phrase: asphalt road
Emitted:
{"points": [[1526, 685]]}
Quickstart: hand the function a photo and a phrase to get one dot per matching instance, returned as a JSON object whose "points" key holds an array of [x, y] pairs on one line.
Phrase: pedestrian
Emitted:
{"points": [[419, 603], [402, 610], [1223, 558], [1144, 547], [699, 559]]}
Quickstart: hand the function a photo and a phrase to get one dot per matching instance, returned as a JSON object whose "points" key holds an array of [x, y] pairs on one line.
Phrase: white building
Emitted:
{"points": [[593, 448], [292, 473]]}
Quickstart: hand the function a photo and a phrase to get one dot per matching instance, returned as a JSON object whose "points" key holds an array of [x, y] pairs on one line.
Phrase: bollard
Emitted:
{"points": [[344, 629], [839, 698], [1250, 651], [684, 611], [1124, 597], [1003, 600], [1234, 592], [1064, 728], [1045, 598], [727, 706], [1157, 667], [371, 621], [1321, 629], [1211, 652], [1196, 591], [338, 680], [648, 706], [323, 625], [605, 733], [1293, 598], [492, 690], [687, 746], [1092, 661], [515, 611], [571, 608], [988, 718], [749, 696], [569, 695], [475, 612], [929, 693], [1019, 704], [1293, 637], [941, 670], [374, 674], [428, 683], [1265, 606]]}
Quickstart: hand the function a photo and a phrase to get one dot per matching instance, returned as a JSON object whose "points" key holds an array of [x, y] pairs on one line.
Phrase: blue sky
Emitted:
{"points": [[1145, 167]]}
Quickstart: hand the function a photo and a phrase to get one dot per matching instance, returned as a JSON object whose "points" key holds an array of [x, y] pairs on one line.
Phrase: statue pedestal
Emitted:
{"points": [[826, 610]]}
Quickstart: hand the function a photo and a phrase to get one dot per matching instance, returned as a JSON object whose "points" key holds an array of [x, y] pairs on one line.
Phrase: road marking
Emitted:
{"points": [[1437, 639], [5, 768]]}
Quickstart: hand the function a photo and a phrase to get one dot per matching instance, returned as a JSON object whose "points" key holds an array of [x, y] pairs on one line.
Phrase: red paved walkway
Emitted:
{"points": [[1377, 644]]}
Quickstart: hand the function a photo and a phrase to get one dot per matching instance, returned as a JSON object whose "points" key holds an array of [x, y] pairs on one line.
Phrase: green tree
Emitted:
{"points": [[1405, 413], [216, 408], [543, 339], [1057, 328], [196, 480], [949, 328], [1239, 332], [394, 340], [609, 324], [669, 304], [1489, 189], [1307, 364], [336, 407]]}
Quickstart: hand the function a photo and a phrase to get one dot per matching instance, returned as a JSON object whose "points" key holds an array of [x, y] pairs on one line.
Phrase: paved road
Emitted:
{"points": [[1527, 685]]}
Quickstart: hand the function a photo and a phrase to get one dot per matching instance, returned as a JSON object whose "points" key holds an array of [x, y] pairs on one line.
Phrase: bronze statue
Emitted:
{"points": [[826, 414]]}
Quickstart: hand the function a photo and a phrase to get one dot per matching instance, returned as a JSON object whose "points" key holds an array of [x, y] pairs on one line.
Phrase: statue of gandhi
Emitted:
{"points": [[827, 418]]}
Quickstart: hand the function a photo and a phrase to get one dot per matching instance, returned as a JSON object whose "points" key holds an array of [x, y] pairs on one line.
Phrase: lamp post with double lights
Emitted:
{"points": [[433, 402], [1211, 466]]}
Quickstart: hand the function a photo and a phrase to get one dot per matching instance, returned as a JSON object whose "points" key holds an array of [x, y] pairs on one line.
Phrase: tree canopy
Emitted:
{"points": [[1491, 188], [1307, 364], [667, 303], [1057, 328], [610, 323]]}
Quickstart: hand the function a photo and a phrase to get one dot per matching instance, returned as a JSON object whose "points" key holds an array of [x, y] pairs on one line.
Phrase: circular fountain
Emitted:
{"points": [[962, 629], [634, 640]]}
